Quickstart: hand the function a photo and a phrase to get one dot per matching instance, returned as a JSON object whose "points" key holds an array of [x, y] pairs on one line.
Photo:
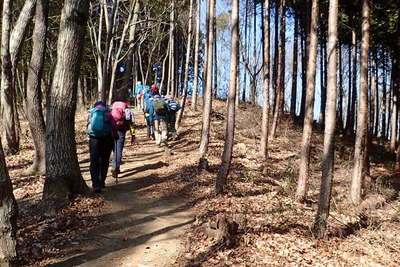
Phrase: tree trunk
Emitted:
{"points": [[276, 57], [280, 80], [10, 137], [305, 47], [301, 192], [196, 57], [127, 83], [396, 90], [330, 123], [172, 49], [362, 117], [354, 85], [33, 108], [246, 19], [377, 109], [384, 99], [293, 98], [254, 75], [186, 77], [65, 180], [340, 113], [8, 208], [230, 124], [205, 134], [266, 71]]}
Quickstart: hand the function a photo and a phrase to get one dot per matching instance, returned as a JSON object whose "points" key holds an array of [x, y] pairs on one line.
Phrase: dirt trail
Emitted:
{"points": [[140, 226]]}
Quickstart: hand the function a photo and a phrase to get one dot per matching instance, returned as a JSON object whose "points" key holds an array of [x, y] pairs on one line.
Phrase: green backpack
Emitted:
{"points": [[159, 107]]}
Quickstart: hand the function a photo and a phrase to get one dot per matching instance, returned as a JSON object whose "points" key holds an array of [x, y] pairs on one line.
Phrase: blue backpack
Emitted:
{"points": [[99, 122], [173, 106]]}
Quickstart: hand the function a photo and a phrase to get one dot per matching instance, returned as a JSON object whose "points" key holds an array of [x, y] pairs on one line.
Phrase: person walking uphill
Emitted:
{"points": [[102, 132], [124, 121], [157, 113]]}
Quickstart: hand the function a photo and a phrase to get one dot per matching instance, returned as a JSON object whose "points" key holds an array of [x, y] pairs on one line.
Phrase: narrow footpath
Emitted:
{"points": [[141, 224]]}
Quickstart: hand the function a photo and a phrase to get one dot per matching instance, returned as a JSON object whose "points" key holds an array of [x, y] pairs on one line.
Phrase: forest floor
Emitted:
{"points": [[160, 211]]}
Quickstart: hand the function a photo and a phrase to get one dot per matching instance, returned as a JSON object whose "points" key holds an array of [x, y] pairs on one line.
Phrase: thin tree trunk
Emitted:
{"points": [[246, 58], [33, 108], [340, 113], [65, 180], [196, 57], [254, 75], [396, 89], [276, 57], [293, 98], [230, 124], [354, 83], [330, 123], [348, 112], [384, 99], [186, 77], [301, 192], [362, 117], [266, 70], [278, 110], [205, 134], [377, 109], [172, 39], [10, 138]]}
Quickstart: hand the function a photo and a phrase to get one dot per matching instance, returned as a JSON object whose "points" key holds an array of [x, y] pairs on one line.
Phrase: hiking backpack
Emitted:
{"points": [[118, 113], [172, 105], [99, 122], [159, 107]]}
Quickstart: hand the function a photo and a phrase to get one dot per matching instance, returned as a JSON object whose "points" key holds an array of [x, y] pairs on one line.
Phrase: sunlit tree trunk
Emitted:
{"points": [[33, 107], [230, 124], [396, 90], [65, 180], [196, 57], [207, 106], [362, 117], [330, 124], [266, 72], [187, 61], [301, 192], [171, 78]]}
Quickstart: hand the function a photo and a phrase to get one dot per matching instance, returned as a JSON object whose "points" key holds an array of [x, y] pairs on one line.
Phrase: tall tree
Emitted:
{"points": [[171, 78], [33, 107], [280, 82], [362, 115], [196, 57], [207, 106], [64, 180], [230, 124], [330, 123], [293, 97], [187, 61], [301, 192], [266, 72]]}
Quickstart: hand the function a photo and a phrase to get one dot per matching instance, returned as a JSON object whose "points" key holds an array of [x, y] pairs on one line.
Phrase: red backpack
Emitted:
{"points": [[118, 113]]}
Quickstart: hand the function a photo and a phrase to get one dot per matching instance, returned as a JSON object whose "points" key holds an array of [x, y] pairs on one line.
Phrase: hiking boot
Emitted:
{"points": [[115, 173]]}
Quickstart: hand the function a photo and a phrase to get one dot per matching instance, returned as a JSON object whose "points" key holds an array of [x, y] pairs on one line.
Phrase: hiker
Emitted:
{"points": [[173, 108], [157, 110], [147, 96], [102, 132], [124, 121], [138, 94]]}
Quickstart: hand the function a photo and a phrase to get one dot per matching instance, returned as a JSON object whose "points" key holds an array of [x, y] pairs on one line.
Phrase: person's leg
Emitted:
{"points": [[94, 162], [157, 132], [164, 131], [120, 147], [107, 146], [172, 125]]}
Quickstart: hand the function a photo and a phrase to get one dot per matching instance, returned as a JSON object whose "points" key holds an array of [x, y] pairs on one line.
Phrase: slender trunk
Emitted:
{"points": [[280, 81], [196, 57], [276, 57], [186, 77], [396, 89], [384, 99], [377, 109], [354, 83], [266, 71], [208, 92], [254, 76], [205, 63], [215, 65], [305, 52], [362, 117], [293, 98], [348, 112], [230, 125], [172, 38], [246, 58], [10, 138], [340, 113], [65, 180], [301, 192], [330, 125], [34, 110]]}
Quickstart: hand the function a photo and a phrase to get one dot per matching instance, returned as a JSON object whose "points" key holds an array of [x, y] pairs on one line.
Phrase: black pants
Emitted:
{"points": [[100, 151]]}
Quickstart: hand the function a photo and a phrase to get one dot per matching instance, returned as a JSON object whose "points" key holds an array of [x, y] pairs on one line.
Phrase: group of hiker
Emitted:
{"points": [[107, 127]]}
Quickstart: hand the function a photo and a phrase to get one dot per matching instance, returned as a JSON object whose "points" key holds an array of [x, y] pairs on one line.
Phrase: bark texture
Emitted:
{"points": [[362, 116], [230, 124], [33, 107], [330, 124], [301, 191], [63, 176], [266, 71], [196, 58]]}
